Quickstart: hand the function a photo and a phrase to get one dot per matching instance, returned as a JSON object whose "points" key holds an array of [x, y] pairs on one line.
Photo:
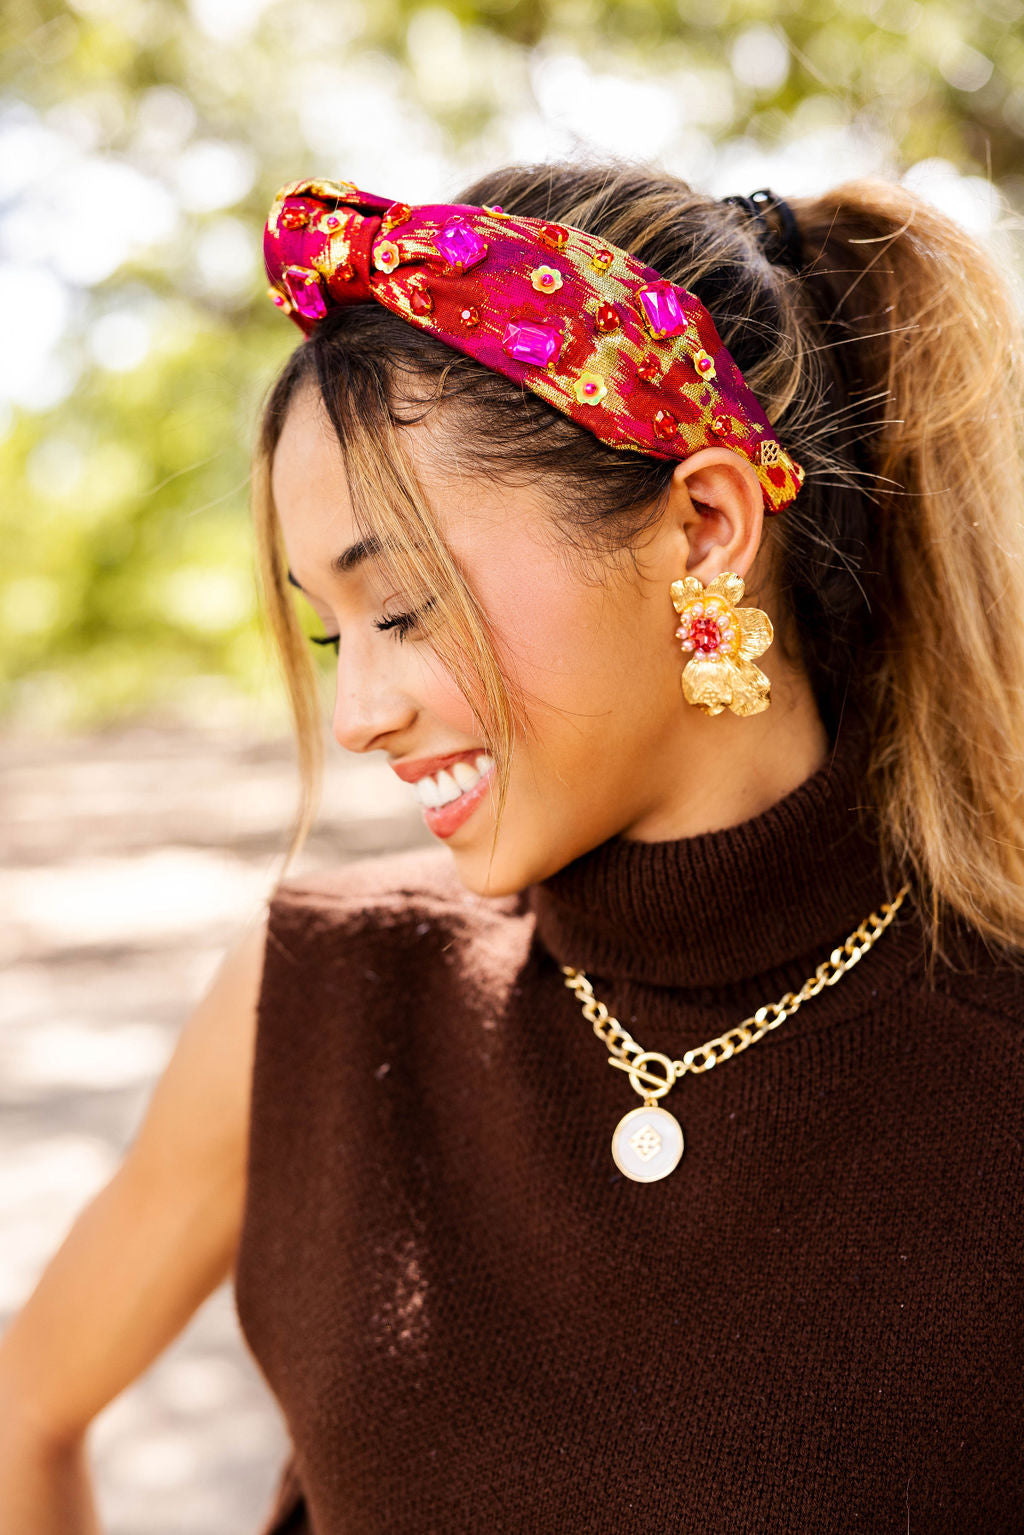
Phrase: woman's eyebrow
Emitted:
{"points": [[348, 559]]}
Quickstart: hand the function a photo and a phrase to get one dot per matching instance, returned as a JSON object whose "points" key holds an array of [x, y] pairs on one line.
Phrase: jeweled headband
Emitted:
{"points": [[606, 340]]}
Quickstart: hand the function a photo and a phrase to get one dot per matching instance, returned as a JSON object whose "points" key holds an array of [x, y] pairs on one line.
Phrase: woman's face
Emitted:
{"points": [[610, 745]]}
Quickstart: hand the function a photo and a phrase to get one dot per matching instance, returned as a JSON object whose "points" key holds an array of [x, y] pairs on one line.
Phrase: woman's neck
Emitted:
{"points": [[781, 886], [736, 767]]}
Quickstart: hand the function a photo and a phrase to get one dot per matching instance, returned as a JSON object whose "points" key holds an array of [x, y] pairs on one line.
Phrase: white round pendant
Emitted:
{"points": [[647, 1143]]}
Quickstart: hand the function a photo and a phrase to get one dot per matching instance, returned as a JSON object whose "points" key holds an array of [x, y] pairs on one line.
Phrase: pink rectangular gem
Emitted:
{"points": [[304, 288], [527, 341], [662, 311], [460, 245]]}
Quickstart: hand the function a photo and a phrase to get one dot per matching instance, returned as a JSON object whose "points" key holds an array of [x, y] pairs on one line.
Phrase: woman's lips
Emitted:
{"points": [[448, 818], [449, 787], [410, 772]]}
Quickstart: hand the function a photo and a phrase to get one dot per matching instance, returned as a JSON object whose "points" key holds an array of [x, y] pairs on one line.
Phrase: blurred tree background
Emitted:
{"points": [[141, 142]]}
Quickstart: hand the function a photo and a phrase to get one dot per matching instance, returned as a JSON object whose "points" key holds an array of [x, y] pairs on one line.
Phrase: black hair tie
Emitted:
{"points": [[782, 245]]}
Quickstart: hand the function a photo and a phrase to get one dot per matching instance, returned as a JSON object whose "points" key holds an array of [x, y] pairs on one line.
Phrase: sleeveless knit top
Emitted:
{"points": [[473, 1322]]}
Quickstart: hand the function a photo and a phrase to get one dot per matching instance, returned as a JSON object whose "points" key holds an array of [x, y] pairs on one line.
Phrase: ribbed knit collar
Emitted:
{"points": [[729, 904]]}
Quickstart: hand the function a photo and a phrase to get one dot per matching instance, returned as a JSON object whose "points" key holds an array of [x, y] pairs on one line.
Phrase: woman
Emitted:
{"points": [[672, 549]]}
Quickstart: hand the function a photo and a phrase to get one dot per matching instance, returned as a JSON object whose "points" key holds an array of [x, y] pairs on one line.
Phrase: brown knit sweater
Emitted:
{"points": [[474, 1323]]}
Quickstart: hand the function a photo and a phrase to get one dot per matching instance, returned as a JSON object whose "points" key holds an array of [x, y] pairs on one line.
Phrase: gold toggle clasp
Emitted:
{"points": [[637, 1074]]}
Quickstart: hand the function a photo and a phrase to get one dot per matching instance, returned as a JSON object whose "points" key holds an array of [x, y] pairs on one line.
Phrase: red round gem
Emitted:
{"points": [[665, 424], [722, 425], [345, 272], [421, 301], [332, 221], [606, 317], [705, 634], [470, 316], [649, 368], [294, 216]]}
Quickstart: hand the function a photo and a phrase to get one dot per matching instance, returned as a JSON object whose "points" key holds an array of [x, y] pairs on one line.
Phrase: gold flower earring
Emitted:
{"points": [[722, 640]]}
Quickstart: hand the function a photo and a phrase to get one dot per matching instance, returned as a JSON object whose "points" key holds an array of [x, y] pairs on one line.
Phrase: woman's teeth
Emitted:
{"points": [[443, 787]]}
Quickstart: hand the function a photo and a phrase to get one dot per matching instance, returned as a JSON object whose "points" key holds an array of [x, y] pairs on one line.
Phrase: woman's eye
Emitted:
{"points": [[401, 623], [404, 623]]}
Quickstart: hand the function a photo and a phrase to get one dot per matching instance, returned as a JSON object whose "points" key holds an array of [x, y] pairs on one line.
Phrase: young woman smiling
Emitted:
{"points": [[673, 553]]}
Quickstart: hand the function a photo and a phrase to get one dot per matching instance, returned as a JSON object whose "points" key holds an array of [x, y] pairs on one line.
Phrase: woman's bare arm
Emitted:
{"points": [[137, 1262]]}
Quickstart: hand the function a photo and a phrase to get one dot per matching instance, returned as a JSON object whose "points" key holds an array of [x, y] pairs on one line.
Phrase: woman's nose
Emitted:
{"points": [[370, 704]]}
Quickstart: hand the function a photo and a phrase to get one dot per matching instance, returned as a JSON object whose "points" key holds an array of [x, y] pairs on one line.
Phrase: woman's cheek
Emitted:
{"points": [[441, 697], [551, 636]]}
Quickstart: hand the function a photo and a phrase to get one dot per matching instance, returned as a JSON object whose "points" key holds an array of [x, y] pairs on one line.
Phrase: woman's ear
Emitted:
{"points": [[716, 501]]}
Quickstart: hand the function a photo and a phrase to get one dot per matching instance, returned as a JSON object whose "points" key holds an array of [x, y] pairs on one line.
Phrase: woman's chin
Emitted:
{"points": [[517, 861], [484, 875], [500, 867], [536, 838]]}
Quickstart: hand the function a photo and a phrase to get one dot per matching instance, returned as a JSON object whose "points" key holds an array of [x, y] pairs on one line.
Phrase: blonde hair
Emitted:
{"points": [[890, 366]]}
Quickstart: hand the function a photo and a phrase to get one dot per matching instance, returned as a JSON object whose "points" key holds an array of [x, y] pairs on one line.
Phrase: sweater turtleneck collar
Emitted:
{"points": [[725, 905]]}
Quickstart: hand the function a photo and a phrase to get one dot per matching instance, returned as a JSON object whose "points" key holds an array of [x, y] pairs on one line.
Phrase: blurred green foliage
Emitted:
{"points": [[127, 584]]}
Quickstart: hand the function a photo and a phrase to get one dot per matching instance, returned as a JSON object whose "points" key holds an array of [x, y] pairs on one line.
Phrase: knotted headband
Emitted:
{"points": [[604, 339]]}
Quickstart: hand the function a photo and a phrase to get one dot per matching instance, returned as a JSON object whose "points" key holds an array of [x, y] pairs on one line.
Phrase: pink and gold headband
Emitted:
{"points": [[604, 339]]}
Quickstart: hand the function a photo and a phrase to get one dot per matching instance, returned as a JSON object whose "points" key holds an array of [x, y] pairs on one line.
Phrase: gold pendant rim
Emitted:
{"points": [[648, 1109]]}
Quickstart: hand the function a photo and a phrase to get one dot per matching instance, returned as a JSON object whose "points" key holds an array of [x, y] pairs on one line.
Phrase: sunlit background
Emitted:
{"points": [[141, 143], [147, 772]]}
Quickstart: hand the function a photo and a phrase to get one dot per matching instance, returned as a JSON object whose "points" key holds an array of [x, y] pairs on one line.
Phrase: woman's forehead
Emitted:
{"points": [[310, 493], [494, 529], [307, 457]]}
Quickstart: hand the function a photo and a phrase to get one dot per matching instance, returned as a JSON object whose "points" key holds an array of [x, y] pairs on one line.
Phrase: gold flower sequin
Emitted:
{"points": [[386, 255], [590, 388], [704, 363], [546, 279]]}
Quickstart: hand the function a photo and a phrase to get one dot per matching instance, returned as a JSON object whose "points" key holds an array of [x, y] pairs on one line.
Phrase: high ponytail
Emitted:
{"points": [[922, 388]]}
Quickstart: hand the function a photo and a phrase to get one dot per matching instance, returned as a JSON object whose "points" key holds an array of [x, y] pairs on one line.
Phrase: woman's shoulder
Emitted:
{"points": [[981, 976], [414, 890]]}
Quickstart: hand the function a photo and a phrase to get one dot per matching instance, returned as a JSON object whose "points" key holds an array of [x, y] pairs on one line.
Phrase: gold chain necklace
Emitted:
{"points": [[648, 1142]]}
